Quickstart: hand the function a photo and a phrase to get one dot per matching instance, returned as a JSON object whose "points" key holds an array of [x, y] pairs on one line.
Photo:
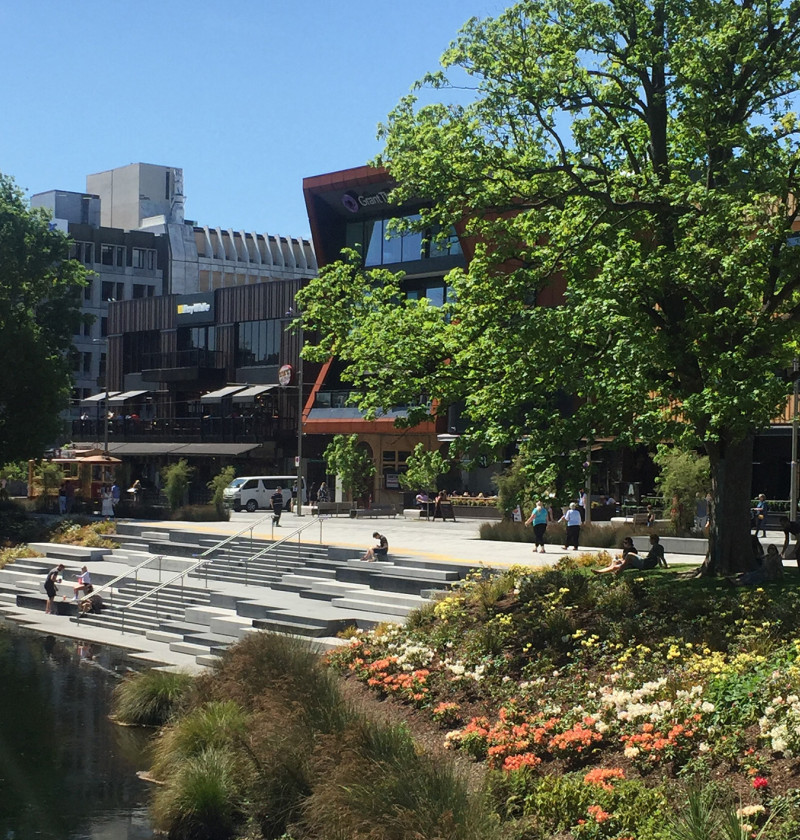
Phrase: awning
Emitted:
{"points": [[118, 399], [96, 398], [215, 397], [249, 394], [208, 449]]}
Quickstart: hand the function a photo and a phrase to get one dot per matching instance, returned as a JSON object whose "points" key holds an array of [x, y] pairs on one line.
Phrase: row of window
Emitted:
{"points": [[379, 244], [114, 255], [82, 362], [116, 291]]}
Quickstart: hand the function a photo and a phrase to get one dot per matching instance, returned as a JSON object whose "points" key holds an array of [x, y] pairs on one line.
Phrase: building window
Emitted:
{"points": [[258, 343], [381, 245], [87, 362], [197, 338], [103, 327], [143, 290], [83, 252], [112, 255], [102, 370], [112, 291], [144, 258], [87, 290], [87, 330]]}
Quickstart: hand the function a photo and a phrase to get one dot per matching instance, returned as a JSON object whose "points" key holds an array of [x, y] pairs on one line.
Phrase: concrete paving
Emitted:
{"points": [[456, 542]]}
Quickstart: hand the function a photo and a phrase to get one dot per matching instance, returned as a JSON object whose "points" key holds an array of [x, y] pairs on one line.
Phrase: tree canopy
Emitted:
{"points": [[641, 158], [40, 293]]}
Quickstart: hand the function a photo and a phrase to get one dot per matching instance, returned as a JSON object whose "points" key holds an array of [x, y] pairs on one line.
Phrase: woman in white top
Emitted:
{"points": [[573, 519]]}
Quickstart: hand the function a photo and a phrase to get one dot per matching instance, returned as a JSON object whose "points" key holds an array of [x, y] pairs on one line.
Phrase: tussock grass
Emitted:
{"points": [[380, 787], [203, 800], [151, 698]]}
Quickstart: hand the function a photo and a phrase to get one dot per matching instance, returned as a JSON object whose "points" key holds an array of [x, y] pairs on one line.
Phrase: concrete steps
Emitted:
{"points": [[302, 589]]}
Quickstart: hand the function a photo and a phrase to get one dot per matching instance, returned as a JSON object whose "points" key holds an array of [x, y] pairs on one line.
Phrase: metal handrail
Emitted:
{"points": [[126, 574], [275, 545], [160, 557], [202, 561]]}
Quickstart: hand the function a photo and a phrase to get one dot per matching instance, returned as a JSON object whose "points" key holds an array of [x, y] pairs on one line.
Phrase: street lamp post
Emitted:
{"points": [[299, 505], [793, 488]]}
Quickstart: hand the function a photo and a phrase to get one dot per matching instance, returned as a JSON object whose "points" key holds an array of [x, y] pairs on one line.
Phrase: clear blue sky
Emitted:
{"points": [[247, 96]]}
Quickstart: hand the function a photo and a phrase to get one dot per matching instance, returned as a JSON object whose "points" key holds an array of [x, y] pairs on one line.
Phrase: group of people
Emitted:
{"points": [[424, 502], [83, 585], [541, 516]]}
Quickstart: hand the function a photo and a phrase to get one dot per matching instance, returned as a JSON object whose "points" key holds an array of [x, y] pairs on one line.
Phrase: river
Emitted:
{"points": [[66, 772]]}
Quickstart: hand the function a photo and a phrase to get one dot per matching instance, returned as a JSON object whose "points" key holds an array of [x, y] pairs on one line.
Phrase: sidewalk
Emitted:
{"points": [[456, 542]]}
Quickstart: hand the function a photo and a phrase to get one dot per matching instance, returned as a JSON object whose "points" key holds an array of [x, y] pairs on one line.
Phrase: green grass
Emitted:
{"points": [[150, 698]]}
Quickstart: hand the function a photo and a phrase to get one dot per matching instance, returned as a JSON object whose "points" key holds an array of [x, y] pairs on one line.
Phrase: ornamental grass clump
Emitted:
{"points": [[151, 698]]}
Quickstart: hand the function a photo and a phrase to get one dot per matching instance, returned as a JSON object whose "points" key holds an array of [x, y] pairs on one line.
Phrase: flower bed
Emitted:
{"points": [[540, 674]]}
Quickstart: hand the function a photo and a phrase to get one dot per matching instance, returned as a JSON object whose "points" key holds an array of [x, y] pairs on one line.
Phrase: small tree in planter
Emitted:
{"points": [[351, 463], [423, 468], [684, 475], [217, 484], [176, 482]]}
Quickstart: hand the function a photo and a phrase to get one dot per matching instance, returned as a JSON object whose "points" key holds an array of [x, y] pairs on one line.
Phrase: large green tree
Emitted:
{"points": [[640, 156], [40, 293]]}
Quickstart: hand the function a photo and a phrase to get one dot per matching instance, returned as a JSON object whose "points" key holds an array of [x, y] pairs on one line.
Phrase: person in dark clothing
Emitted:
{"points": [[50, 588], [789, 528], [380, 550], [276, 501]]}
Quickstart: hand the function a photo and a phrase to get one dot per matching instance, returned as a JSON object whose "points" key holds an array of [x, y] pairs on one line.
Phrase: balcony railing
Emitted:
{"points": [[187, 429], [181, 359]]}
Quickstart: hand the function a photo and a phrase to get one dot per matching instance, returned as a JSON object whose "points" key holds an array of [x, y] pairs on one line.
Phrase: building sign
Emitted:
{"points": [[354, 201], [392, 481], [285, 374], [193, 310]]}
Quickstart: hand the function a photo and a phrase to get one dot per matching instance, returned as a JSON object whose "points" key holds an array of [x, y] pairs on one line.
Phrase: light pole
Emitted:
{"points": [[793, 489], [284, 381], [299, 505], [105, 386]]}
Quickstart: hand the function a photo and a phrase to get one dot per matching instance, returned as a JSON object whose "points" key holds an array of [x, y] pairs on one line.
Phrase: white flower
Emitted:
{"points": [[707, 707], [631, 752]]}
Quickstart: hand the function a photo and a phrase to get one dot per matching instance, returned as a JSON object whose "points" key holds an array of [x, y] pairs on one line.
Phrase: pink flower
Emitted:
{"points": [[760, 782]]}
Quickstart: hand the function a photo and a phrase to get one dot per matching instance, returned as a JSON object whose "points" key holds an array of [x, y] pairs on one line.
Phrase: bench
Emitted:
{"points": [[330, 508], [374, 512]]}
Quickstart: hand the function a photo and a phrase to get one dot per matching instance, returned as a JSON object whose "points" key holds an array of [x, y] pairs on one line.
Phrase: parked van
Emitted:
{"points": [[254, 492]]}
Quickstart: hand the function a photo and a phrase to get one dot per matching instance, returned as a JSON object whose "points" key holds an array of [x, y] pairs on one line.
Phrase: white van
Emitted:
{"points": [[254, 492]]}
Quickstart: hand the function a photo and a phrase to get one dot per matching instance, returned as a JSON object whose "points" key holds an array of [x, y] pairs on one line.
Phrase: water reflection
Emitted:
{"points": [[66, 772]]}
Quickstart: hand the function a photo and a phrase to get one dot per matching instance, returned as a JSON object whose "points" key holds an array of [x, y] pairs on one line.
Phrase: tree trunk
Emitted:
{"points": [[729, 543]]}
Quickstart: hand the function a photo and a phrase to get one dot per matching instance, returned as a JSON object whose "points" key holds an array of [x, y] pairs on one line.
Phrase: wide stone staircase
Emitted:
{"points": [[210, 595]]}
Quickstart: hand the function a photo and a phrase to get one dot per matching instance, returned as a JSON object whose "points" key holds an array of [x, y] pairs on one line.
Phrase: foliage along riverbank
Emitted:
{"points": [[645, 706]]}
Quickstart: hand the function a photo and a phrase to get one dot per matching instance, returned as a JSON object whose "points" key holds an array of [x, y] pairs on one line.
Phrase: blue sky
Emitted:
{"points": [[247, 97]]}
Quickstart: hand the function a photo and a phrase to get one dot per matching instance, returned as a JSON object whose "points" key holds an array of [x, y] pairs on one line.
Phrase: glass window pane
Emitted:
{"points": [[373, 233]]}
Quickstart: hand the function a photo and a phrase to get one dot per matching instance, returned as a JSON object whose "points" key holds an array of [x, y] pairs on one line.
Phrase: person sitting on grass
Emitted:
{"points": [[379, 550], [770, 570], [630, 558]]}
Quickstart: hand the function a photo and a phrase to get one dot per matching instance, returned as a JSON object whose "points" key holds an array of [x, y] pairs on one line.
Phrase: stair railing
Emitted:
{"points": [[272, 547], [109, 585], [203, 559]]}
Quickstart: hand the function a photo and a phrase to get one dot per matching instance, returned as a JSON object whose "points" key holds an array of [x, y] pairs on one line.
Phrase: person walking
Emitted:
{"points": [[573, 519], [539, 519], [276, 501], [759, 512]]}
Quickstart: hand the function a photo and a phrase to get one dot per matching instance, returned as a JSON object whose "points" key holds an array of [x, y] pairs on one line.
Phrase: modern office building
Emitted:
{"points": [[351, 209], [124, 265]]}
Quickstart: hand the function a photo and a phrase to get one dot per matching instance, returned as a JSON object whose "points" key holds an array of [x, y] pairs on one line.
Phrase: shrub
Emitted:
{"points": [[151, 698], [201, 513], [176, 482], [217, 485], [202, 801]]}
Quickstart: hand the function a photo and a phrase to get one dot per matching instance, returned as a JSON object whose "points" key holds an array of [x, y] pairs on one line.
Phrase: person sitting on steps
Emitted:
{"points": [[379, 550]]}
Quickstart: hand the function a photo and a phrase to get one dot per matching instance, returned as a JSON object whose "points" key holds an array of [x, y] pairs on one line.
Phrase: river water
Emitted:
{"points": [[66, 772]]}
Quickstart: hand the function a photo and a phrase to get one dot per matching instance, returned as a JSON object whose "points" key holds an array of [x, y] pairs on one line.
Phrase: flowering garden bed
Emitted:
{"points": [[599, 704]]}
